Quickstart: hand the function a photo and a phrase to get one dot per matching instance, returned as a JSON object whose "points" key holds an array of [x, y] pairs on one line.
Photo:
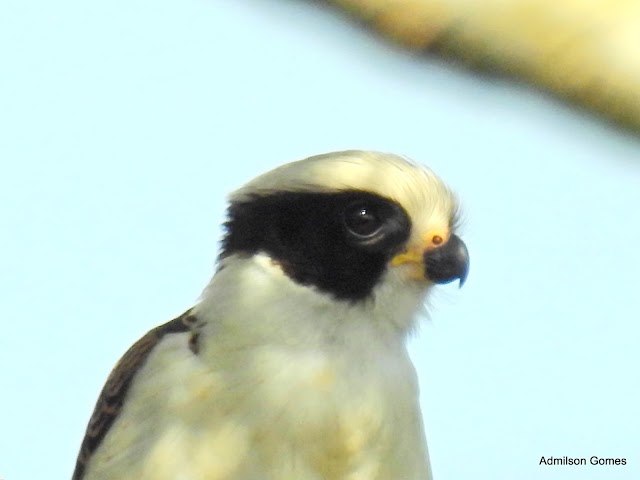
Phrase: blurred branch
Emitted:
{"points": [[587, 51]]}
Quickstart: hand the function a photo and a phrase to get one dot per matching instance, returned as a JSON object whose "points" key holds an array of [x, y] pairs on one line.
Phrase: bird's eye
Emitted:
{"points": [[362, 220]]}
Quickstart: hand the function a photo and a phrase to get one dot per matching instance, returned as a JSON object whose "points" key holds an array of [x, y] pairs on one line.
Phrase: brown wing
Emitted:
{"points": [[115, 390]]}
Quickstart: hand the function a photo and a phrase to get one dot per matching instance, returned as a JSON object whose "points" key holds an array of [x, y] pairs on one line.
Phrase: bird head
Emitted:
{"points": [[347, 223]]}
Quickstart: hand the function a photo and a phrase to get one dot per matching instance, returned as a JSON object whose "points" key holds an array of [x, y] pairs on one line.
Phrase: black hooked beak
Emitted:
{"points": [[447, 262]]}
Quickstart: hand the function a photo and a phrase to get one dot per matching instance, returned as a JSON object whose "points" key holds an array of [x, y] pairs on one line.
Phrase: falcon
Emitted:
{"points": [[293, 364]]}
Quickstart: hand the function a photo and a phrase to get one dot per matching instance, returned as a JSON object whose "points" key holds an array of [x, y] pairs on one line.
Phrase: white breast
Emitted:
{"points": [[286, 386]]}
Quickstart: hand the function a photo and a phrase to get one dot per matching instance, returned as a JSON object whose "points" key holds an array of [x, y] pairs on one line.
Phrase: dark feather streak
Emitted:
{"points": [[115, 390]]}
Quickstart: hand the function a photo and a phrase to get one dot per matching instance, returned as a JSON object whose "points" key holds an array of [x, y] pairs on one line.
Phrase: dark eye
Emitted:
{"points": [[362, 220]]}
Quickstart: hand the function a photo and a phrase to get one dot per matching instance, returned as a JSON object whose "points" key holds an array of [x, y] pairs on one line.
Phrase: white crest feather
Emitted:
{"points": [[426, 199]]}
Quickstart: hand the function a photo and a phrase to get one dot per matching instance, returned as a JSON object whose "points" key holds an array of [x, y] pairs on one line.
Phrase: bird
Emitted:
{"points": [[293, 363]]}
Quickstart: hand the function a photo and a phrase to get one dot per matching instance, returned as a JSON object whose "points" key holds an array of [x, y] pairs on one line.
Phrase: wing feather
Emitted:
{"points": [[115, 390]]}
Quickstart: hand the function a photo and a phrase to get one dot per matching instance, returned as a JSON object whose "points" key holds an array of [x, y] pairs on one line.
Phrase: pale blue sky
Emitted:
{"points": [[124, 125]]}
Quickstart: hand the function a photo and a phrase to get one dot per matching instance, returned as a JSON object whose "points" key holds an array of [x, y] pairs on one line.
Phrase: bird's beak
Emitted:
{"points": [[438, 262], [448, 262]]}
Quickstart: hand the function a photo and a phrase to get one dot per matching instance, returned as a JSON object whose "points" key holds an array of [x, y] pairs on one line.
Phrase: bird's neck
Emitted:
{"points": [[251, 301]]}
